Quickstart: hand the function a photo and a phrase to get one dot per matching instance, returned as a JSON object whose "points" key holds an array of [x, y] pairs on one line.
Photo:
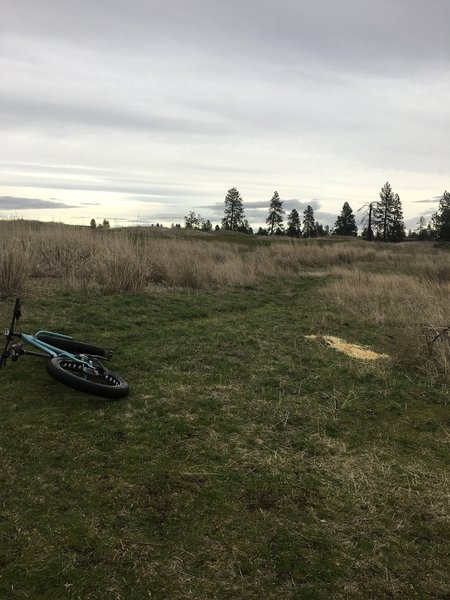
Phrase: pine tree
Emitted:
{"points": [[206, 225], [234, 210], [192, 220], [309, 223], [244, 227], [382, 213], [345, 223], [93, 224], [276, 212], [320, 229], [388, 216], [421, 231], [367, 220], [421, 224], [293, 224], [441, 219], [397, 233]]}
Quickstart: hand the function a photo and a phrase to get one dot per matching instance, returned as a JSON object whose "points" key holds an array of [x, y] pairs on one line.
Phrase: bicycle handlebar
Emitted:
{"points": [[17, 312], [9, 333]]}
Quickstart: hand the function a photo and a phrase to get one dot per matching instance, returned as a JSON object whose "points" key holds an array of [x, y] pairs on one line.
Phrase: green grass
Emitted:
{"points": [[247, 462]]}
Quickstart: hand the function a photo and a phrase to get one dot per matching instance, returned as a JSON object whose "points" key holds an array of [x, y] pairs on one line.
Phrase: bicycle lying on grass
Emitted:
{"points": [[73, 363]]}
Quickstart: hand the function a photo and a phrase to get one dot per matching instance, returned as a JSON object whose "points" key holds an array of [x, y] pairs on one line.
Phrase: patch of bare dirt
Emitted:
{"points": [[352, 350]]}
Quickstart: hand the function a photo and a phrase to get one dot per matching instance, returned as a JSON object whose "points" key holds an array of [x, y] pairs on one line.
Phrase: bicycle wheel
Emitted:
{"points": [[73, 346], [104, 383]]}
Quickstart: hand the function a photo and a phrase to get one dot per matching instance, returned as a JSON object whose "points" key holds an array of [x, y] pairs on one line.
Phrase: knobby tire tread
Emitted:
{"points": [[55, 370]]}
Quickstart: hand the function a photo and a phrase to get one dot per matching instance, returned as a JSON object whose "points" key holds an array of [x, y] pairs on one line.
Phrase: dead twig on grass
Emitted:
{"points": [[438, 332]]}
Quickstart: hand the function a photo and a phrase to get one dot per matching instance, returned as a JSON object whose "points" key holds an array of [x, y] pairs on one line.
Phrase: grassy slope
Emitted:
{"points": [[247, 462]]}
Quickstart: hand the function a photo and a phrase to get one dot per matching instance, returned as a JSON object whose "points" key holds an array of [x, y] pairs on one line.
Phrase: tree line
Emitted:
{"points": [[382, 219]]}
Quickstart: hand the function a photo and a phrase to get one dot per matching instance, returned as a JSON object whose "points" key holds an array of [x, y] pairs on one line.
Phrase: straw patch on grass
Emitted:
{"points": [[352, 350]]}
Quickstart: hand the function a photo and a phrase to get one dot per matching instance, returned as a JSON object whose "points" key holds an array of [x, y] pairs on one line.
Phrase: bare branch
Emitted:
{"points": [[437, 332]]}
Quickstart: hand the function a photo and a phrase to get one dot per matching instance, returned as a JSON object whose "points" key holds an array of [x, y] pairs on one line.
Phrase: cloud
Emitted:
{"points": [[256, 211], [434, 200], [18, 110], [413, 222], [139, 190], [14, 203], [262, 206], [171, 103], [301, 204], [349, 33]]}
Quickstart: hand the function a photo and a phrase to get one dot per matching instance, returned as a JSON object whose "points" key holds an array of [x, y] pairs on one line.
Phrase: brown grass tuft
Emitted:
{"points": [[405, 305], [14, 266], [121, 260]]}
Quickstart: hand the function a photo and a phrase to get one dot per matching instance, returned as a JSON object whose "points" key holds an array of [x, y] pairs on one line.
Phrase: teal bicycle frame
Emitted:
{"points": [[50, 350], [71, 362], [16, 350]]}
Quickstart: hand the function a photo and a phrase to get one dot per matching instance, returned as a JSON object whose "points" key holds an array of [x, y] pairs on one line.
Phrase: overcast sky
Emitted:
{"points": [[140, 110]]}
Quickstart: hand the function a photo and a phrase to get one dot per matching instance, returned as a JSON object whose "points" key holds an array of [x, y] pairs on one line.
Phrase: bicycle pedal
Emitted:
{"points": [[16, 352]]}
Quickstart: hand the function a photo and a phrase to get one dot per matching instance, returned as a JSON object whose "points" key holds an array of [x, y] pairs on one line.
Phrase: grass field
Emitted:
{"points": [[247, 461]]}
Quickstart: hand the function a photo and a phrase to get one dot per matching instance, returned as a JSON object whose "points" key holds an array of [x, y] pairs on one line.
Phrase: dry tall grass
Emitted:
{"points": [[14, 266], [121, 261], [414, 307], [404, 288]]}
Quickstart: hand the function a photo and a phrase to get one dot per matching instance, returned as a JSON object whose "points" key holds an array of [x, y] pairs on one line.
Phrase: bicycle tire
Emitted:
{"points": [[68, 372], [74, 346]]}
